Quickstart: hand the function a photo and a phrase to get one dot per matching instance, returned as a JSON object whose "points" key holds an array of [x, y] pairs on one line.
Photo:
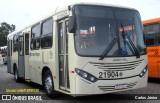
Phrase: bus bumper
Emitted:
{"points": [[84, 87]]}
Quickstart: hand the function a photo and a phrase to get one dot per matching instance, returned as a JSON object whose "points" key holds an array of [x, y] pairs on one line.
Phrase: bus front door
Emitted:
{"points": [[63, 56], [9, 56], [26, 56], [21, 56]]}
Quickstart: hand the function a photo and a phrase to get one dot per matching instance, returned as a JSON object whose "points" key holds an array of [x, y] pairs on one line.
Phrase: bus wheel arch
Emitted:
{"points": [[48, 83], [14, 68], [43, 72], [16, 73]]}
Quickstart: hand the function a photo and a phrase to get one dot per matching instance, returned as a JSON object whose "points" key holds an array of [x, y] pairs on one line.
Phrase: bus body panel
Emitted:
{"points": [[153, 61], [108, 86], [130, 77], [35, 58], [27, 72], [21, 66], [12, 71], [152, 35], [15, 60]]}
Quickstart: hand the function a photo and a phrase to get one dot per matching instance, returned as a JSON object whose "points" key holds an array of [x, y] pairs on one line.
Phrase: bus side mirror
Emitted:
{"points": [[72, 24]]}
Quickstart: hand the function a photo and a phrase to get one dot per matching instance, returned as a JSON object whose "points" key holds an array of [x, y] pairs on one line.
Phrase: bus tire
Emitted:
{"points": [[18, 80], [49, 85]]}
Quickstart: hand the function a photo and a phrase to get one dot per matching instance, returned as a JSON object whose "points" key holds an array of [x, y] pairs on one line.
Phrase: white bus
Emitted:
{"points": [[3, 54], [82, 49]]}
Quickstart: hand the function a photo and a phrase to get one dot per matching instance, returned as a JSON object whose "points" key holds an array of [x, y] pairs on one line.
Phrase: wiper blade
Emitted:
{"points": [[109, 47], [134, 47], [132, 44]]}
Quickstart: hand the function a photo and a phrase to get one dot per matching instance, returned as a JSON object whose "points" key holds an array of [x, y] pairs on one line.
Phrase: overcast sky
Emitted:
{"points": [[22, 12]]}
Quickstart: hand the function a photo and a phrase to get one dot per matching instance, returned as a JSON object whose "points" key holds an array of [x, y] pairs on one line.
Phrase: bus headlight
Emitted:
{"points": [[92, 78], [86, 75], [143, 72]]}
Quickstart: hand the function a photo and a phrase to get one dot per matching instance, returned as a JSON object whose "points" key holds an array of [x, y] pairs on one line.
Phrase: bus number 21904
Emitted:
{"points": [[110, 74]]}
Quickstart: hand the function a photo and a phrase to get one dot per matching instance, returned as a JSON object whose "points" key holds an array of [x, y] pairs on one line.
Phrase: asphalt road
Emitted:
{"points": [[7, 81]]}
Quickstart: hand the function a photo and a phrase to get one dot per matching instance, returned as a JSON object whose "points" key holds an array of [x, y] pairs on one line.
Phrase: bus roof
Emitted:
{"points": [[102, 4], [59, 9], [150, 21]]}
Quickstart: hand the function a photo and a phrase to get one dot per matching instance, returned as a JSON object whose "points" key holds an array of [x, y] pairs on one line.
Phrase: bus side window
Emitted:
{"points": [[47, 34], [26, 44], [15, 38], [150, 41], [21, 45], [35, 37]]}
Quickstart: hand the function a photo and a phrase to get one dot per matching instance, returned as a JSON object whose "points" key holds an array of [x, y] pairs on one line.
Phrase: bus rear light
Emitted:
{"points": [[143, 72], [86, 75]]}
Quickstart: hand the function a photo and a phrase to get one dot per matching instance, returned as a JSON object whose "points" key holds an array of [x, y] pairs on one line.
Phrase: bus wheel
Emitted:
{"points": [[17, 77], [49, 85]]}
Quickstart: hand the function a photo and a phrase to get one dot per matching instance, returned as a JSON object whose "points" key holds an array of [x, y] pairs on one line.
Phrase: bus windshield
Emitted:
{"points": [[96, 27]]}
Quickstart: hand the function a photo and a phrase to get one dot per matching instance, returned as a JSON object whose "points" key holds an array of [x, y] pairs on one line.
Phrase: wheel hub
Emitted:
{"points": [[48, 84]]}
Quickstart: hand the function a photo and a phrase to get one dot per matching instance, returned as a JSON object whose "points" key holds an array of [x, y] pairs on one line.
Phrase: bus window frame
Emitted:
{"points": [[48, 34], [33, 39]]}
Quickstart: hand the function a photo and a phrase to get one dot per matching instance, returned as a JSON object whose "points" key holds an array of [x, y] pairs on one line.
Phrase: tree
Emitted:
{"points": [[5, 29]]}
